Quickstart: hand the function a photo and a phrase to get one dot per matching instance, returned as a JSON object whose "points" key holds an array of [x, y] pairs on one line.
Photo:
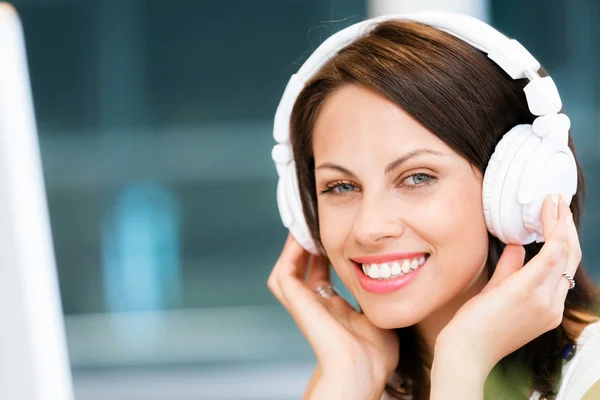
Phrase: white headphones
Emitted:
{"points": [[530, 162]]}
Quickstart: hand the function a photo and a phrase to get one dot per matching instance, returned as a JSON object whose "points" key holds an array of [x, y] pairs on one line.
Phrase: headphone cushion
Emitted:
{"points": [[290, 208], [512, 215], [495, 175]]}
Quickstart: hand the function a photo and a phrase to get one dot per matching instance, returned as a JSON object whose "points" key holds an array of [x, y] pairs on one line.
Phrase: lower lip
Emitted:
{"points": [[386, 285]]}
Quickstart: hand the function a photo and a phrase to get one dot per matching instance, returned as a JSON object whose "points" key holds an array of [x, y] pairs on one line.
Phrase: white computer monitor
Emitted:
{"points": [[33, 353]]}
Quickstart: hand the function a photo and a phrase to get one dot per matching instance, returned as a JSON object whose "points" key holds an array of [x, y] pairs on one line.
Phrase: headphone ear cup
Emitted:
{"points": [[548, 170], [290, 208], [495, 176], [513, 225]]}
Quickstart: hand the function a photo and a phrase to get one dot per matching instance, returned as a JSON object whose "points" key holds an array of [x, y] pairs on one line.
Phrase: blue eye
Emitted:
{"points": [[418, 179], [344, 188], [339, 188]]}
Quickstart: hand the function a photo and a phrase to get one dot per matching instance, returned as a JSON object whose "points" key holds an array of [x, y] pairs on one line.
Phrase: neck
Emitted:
{"points": [[429, 328]]}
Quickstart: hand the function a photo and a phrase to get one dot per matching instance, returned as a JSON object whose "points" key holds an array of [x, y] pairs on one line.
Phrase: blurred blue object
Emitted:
{"points": [[141, 250]]}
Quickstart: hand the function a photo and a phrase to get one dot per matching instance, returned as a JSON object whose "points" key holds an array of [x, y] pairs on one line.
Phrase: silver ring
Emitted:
{"points": [[571, 280], [326, 291]]}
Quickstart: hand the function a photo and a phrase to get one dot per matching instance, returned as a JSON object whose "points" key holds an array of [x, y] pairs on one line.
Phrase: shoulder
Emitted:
{"points": [[583, 370]]}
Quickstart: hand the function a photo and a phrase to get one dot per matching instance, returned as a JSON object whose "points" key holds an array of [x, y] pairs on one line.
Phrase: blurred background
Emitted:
{"points": [[155, 122]]}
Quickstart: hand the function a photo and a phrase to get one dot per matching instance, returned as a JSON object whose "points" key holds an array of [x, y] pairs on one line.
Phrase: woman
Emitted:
{"points": [[391, 138]]}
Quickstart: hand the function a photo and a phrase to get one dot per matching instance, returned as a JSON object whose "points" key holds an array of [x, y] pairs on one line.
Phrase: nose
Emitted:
{"points": [[378, 221]]}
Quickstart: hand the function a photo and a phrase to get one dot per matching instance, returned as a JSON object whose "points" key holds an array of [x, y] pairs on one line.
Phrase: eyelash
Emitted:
{"points": [[333, 185]]}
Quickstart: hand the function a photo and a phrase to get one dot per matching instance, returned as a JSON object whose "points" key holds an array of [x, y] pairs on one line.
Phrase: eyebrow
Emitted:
{"points": [[390, 167]]}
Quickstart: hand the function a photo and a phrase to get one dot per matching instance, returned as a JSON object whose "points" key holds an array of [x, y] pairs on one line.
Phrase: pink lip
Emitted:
{"points": [[386, 286], [378, 259]]}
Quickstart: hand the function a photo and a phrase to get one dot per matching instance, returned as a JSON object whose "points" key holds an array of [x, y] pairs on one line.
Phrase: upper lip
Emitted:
{"points": [[381, 258]]}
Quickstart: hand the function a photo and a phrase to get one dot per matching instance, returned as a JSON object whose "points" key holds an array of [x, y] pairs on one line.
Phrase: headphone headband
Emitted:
{"points": [[507, 53], [469, 29]]}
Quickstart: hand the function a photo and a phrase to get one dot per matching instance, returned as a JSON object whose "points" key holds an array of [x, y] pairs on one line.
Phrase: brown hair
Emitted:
{"points": [[466, 100]]}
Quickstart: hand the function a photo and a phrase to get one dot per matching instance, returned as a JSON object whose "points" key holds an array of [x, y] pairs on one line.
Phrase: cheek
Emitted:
{"points": [[330, 229], [335, 227], [454, 218], [454, 225]]}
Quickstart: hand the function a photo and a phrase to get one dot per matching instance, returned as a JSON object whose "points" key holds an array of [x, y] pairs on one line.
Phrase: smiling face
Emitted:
{"points": [[389, 188]]}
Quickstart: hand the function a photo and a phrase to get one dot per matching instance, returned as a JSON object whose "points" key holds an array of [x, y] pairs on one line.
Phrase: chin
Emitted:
{"points": [[386, 317]]}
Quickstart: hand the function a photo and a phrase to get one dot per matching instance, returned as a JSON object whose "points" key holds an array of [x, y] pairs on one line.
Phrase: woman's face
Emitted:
{"points": [[400, 212]]}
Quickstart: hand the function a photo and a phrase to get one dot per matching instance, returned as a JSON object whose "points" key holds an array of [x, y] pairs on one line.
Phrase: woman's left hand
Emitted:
{"points": [[520, 302]]}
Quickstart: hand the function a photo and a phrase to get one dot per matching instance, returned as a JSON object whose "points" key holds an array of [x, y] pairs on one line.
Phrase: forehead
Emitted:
{"points": [[355, 118]]}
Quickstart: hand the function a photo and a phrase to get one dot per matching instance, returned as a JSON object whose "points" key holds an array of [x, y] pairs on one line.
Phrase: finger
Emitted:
{"points": [[565, 223], [338, 307], [554, 250], [318, 272], [562, 289], [549, 214], [545, 268], [320, 320], [292, 258], [575, 254], [555, 255], [319, 275], [573, 260], [511, 260]]}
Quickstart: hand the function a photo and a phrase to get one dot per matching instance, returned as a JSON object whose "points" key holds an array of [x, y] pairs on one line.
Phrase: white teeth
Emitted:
{"points": [[374, 271], [396, 268], [384, 271], [406, 266], [393, 269], [414, 264]]}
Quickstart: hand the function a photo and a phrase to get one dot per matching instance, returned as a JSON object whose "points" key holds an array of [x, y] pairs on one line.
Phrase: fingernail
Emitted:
{"points": [[568, 220], [555, 199], [565, 198]]}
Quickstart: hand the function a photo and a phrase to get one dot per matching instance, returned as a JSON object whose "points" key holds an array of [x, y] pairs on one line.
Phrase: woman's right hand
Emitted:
{"points": [[354, 356]]}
